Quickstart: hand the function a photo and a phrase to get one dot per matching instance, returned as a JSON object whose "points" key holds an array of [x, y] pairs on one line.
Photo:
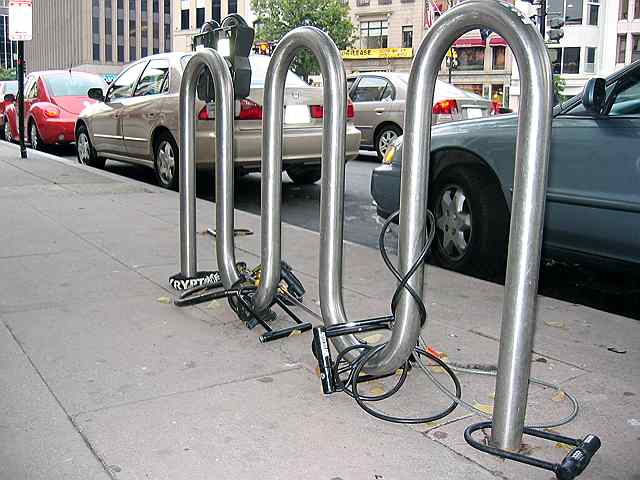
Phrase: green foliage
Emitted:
{"points": [[559, 84], [275, 18], [7, 74]]}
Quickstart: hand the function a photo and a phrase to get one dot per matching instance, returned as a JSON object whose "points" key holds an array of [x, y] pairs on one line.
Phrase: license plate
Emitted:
{"points": [[297, 114], [474, 113]]}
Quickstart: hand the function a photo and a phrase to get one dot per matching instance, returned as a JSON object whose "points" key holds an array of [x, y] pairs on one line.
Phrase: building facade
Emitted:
{"points": [[97, 36], [390, 31], [189, 15], [8, 49]]}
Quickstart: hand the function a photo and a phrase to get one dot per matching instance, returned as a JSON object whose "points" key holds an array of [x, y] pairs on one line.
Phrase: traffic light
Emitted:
{"points": [[556, 32], [262, 48]]}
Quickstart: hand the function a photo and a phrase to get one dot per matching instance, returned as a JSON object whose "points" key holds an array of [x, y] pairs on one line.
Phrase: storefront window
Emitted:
{"points": [[470, 87], [497, 94], [498, 57], [374, 34], [471, 58]]}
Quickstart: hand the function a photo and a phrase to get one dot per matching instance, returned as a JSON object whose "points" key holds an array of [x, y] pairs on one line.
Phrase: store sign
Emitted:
{"points": [[365, 53], [20, 20]]}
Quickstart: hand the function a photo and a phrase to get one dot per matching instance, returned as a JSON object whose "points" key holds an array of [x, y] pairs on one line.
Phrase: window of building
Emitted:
{"points": [[407, 36], [199, 17], [184, 19], [108, 37], [216, 10], [372, 89], [497, 94], [144, 28], [156, 26], [95, 29], [384, 2], [593, 7], [470, 87], [635, 47], [407, 1], [590, 60], [498, 61], [471, 58], [622, 49], [374, 34], [133, 42], [233, 6], [167, 25], [153, 79], [362, 3], [636, 10], [624, 10], [569, 10], [565, 60], [120, 31]]}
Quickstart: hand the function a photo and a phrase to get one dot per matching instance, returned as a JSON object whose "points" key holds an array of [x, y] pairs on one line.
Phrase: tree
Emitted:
{"points": [[275, 18], [7, 74], [558, 89]]}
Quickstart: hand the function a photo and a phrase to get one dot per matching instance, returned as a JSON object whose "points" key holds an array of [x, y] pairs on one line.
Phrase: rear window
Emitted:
{"points": [[10, 87], [259, 65], [70, 85]]}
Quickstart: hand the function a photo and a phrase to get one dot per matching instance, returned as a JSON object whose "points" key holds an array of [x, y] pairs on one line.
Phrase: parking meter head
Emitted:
{"points": [[234, 40]]}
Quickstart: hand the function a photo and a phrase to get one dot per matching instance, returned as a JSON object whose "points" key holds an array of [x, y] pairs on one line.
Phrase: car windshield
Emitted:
{"points": [[259, 65], [70, 85], [10, 87]]}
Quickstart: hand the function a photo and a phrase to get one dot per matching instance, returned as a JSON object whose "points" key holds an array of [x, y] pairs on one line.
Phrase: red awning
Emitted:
{"points": [[477, 42]]}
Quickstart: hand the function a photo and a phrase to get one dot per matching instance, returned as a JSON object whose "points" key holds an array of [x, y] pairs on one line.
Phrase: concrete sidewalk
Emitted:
{"points": [[101, 378]]}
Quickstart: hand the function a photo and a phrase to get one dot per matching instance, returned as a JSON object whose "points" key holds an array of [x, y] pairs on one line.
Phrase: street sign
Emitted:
{"points": [[20, 20]]}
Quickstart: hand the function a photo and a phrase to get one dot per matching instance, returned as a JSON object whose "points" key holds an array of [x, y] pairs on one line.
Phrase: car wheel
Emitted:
{"points": [[304, 175], [34, 136], [87, 155], [471, 222], [7, 131], [166, 161], [385, 138]]}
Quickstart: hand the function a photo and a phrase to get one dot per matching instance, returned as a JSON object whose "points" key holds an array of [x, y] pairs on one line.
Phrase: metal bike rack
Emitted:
{"points": [[525, 239], [224, 107]]}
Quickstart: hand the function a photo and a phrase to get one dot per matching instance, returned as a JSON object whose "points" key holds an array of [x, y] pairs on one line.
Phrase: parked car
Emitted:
{"points": [[8, 89], [137, 122], [52, 101], [379, 99], [593, 195]]}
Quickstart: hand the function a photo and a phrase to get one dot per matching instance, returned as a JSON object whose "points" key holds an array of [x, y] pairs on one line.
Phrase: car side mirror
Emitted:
{"points": [[96, 94], [594, 95], [9, 97]]}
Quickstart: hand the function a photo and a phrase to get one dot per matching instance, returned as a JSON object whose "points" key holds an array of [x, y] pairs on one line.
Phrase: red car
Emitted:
{"points": [[52, 102], [8, 87]]}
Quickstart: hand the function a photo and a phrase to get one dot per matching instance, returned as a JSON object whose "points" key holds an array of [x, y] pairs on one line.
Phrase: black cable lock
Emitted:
{"points": [[569, 468]]}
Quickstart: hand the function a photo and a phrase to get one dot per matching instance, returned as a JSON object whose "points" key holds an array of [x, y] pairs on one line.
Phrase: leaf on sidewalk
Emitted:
{"points": [[373, 339], [559, 396], [377, 389], [483, 407], [165, 300], [554, 323]]}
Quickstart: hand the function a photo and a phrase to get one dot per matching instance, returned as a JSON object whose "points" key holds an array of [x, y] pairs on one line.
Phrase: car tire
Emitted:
{"points": [[34, 137], [472, 222], [6, 131], [86, 154], [385, 137], [166, 161], [304, 175]]}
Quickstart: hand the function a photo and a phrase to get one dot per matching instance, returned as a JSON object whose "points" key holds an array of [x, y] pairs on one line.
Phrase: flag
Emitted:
{"points": [[431, 13]]}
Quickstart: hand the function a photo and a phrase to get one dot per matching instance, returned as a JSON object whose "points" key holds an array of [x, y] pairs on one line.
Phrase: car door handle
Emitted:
{"points": [[379, 110]]}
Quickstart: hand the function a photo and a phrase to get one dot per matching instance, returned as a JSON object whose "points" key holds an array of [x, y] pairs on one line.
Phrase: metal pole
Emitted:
{"points": [[532, 152], [20, 74], [542, 18], [223, 83]]}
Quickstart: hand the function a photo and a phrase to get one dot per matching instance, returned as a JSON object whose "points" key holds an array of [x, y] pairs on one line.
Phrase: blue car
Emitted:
{"points": [[593, 194]]}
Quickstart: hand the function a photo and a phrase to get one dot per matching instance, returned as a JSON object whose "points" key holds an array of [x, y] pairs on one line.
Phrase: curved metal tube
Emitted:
{"points": [[333, 166], [532, 153], [211, 59]]}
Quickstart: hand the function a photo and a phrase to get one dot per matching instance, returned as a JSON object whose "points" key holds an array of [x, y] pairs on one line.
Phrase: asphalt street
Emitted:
{"points": [[612, 292]]}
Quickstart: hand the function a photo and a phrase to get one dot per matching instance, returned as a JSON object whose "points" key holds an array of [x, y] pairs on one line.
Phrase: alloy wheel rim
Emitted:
{"points": [[83, 149], [34, 136], [166, 163], [453, 222], [386, 139]]}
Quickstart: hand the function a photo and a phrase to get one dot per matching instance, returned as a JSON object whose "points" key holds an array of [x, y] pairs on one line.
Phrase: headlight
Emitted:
{"points": [[388, 157]]}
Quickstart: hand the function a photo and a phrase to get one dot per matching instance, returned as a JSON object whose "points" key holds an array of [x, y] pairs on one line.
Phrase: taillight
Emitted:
{"points": [[447, 107], [204, 114], [350, 112], [51, 112], [249, 110], [317, 111]]}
